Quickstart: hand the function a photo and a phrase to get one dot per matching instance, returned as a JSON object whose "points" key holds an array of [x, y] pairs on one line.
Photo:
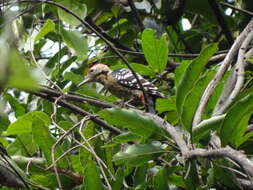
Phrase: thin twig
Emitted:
{"points": [[215, 7], [136, 14], [236, 8]]}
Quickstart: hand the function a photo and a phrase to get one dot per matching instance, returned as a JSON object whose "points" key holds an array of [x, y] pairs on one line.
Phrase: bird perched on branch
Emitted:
{"points": [[123, 84]]}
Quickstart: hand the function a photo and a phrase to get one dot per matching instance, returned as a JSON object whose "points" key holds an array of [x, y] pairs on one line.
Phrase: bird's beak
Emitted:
{"points": [[86, 80]]}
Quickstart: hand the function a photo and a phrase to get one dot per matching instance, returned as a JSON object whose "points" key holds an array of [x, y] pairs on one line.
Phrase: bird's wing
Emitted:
{"points": [[126, 78]]}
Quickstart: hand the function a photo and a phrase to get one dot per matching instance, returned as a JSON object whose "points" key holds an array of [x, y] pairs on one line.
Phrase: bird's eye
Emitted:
{"points": [[92, 70]]}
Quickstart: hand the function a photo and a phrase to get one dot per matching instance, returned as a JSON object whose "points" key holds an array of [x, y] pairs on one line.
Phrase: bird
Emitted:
{"points": [[123, 84]]}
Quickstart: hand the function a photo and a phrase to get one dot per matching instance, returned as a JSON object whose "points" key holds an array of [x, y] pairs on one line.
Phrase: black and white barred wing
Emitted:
{"points": [[126, 78]]}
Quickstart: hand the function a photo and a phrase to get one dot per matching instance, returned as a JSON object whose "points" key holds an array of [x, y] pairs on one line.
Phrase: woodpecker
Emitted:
{"points": [[123, 84]]}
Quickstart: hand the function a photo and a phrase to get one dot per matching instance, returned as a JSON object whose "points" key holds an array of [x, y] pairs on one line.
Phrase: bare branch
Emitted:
{"points": [[228, 152], [237, 78], [214, 82]]}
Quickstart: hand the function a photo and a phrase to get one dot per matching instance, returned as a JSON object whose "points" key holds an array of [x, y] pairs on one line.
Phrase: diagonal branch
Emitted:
{"points": [[220, 73], [136, 14], [78, 110], [215, 6]]}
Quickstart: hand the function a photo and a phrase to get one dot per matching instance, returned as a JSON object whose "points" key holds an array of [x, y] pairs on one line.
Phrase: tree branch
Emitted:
{"points": [[78, 110], [223, 68], [219, 16], [136, 14]]}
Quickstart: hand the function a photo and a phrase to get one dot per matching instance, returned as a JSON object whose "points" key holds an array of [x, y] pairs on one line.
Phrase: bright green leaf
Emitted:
{"points": [[75, 78], [155, 50], [161, 180], [76, 7], [136, 123], [191, 100], [92, 177], [138, 154], [126, 137], [236, 121], [24, 123], [45, 141], [192, 74], [76, 41], [20, 76], [18, 108], [49, 26]]}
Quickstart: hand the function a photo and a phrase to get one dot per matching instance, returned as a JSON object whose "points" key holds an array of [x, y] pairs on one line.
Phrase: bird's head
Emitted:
{"points": [[95, 73]]}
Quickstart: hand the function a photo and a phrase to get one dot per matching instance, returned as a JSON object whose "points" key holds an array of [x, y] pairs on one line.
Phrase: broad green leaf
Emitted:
{"points": [[138, 154], [155, 50], [127, 137], [76, 41], [161, 180], [18, 108], [192, 74], [165, 104], [177, 180], [179, 72], [136, 123], [49, 26], [84, 155], [76, 7], [23, 145], [236, 121], [75, 78], [45, 141], [118, 183], [24, 123], [192, 99], [20, 75], [92, 177], [204, 127], [140, 174]]}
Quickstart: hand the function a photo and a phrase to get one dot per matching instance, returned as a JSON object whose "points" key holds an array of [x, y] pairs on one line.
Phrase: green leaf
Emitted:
{"points": [[126, 137], [161, 180], [24, 123], [138, 154], [23, 145], [118, 183], [49, 26], [179, 72], [16, 106], [76, 7], [20, 76], [45, 141], [92, 177], [136, 123], [75, 78], [192, 74], [192, 99], [155, 50], [165, 104], [76, 41], [236, 121]]}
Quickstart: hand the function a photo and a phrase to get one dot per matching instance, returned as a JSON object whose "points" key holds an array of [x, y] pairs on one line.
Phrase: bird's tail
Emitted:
{"points": [[151, 104]]}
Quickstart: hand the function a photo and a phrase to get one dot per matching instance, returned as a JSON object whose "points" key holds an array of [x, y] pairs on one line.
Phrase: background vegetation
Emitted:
{"points": [[55, 135]]}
